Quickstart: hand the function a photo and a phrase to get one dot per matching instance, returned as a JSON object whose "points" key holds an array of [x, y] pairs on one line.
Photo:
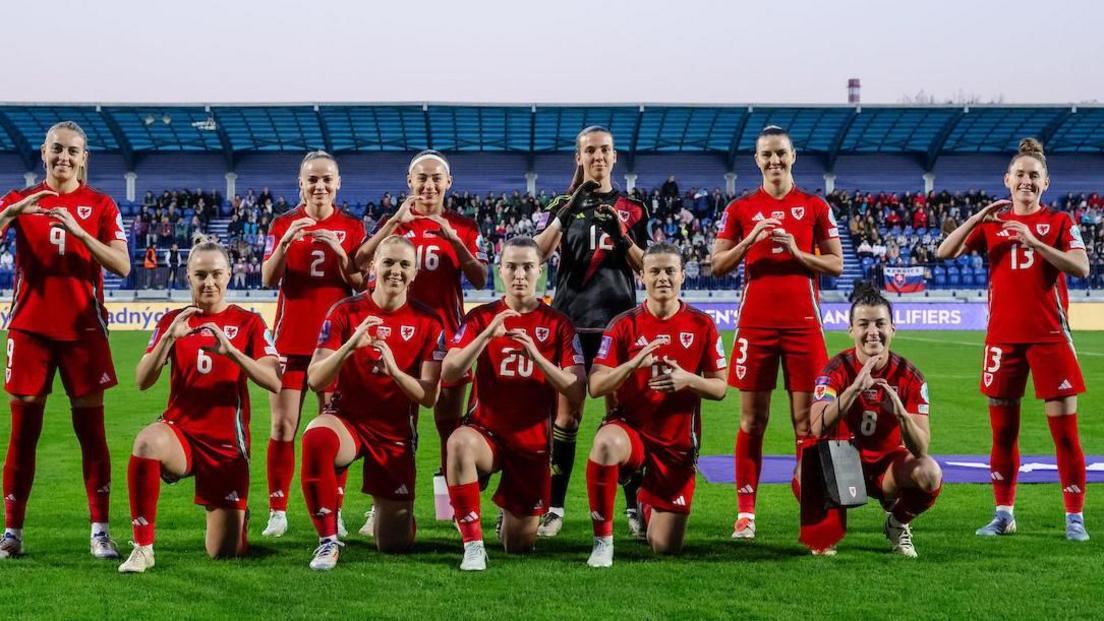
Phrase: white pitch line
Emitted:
{"points": [[950, 342]]}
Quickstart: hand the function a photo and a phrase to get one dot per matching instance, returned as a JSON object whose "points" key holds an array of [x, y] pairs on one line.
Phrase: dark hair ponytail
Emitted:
{"points": [[866, 294]]}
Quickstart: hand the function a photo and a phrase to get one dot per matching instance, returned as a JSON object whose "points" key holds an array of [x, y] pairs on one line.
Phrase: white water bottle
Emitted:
{"points": [[441, 504]]}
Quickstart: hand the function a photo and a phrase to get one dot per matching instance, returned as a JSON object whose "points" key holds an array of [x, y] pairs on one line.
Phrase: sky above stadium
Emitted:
{"points": [[567, 51]]}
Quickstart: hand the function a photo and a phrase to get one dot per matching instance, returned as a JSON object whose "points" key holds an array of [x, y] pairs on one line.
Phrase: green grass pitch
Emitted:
{"points": [[1034, 574]]}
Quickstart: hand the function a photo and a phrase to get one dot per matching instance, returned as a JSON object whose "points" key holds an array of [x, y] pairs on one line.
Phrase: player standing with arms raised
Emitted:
{"points": [[308, 255], [660, 358], [1030, 248], [881, 400], [787, 238], [382, 351], [601, 235], [65, 233], [526, 354], [447, 246], [214, 349]]}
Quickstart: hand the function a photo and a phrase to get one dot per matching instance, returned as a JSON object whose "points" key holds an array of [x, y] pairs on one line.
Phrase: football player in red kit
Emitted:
{"points": [[65, 232], [881, 400], [660, 358], [786, 238], [383, 352], [527, 355], [448, 246], [1030, 249], [214, 348], [308, 255]]}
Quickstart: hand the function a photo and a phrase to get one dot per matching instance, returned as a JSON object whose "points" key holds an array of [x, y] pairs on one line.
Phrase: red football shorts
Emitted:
{"points": [[756, 353], [86, 366], [525, 487], [389, 470], [874, 472], [220, 468], [294, 376], [669, 474], [1054, 370]]}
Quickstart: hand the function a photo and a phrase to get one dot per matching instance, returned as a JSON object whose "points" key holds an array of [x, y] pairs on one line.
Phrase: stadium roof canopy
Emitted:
{"points": [[925, 132]]}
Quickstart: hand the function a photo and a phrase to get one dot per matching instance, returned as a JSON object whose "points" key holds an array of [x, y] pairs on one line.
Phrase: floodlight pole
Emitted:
{"points": [[131, 181], [29, 179], [630, 181], [730, 183], [231, 185], [929, 182], [829, 183]]}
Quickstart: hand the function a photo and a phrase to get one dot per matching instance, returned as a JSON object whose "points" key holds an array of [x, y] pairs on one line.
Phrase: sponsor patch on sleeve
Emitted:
{"points": [[459, 336], [324, 332], [603, 349], [721, 361], [1076, 241], [577, 350]]}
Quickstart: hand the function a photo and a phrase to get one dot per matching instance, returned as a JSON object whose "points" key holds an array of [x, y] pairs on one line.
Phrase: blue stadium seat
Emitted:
{"points": [[939, 277], [954, 277]]}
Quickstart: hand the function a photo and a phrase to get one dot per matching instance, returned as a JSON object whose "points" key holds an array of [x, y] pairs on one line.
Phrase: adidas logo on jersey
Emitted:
{"points": [[641, 342], [140, 521], [680, 501], [402, 491], [1065, 385], [233, 496], [758, 218], [1072, 489], [9, 498], [996, 476], [747, 489]]}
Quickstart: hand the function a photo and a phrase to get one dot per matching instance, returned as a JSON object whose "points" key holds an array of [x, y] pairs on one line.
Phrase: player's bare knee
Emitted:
{"points": [[28, 399], [519, 543], [1003, 402], [391, 544], [665, 545], [607, 447], [927, 476], [149, 444], [752, 424]]}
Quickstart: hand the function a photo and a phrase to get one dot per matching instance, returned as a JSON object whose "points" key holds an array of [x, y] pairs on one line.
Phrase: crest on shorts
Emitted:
{"points": [[230, 331], [741, 371], [1042, 229], [778, 215], [84, 212], [687, 339], [851, 490], [542, 334], [987, 378], [798, 212], [383, 332], [407, 332]]}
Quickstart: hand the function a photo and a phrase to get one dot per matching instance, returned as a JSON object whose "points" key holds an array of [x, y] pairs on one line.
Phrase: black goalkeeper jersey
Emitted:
{"points": [[595, 282]]}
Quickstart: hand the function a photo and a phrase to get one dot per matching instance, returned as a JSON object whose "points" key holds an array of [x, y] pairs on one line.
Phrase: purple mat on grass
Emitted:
{"points": [[956, 468]]}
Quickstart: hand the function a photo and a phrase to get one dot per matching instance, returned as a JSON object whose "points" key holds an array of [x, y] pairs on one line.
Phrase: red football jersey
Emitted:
{"points": [[58, 284], [779, 292], [670, 419], [363, 393], [871, 419], [437, 284], [1028, 302], [208, 393], [312, 280], [511, 397]]}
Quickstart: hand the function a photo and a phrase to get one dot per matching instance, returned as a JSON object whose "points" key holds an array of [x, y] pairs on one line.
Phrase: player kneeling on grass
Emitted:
{"points": [[881, 399], [527, 355], [383, 351], [660, 359], [214, 348]]}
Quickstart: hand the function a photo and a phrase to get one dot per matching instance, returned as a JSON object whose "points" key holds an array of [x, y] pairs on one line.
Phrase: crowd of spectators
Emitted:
{"points": [[887, 229], [904, 229]]}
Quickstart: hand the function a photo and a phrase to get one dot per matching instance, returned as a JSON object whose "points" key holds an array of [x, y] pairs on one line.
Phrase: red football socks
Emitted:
{"points": [[144, 483], [749, 463], [602, 492], [1071, 461], [319, 478], [88, 422], [465, 506], [1004, 458], [911, 502], [19, 465], [281, 468]]}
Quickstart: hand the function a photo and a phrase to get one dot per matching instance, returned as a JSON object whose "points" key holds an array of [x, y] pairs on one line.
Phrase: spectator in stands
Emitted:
{"points": [[180, 231], [173, 263], [865, 249], [149, 265], [7, 261], [239, 273], [879, 249], [670, 188]]}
